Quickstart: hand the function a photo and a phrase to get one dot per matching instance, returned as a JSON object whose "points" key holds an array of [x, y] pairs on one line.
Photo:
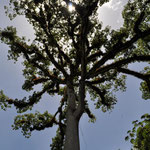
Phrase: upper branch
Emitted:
{"points": [[140, 18], [119, 46], [24, 50], [94, 56], [134, 73], [57, 65], [116, 49], [71, 28], [145, 77], [55, 43], [21, 104], [117, 64]]}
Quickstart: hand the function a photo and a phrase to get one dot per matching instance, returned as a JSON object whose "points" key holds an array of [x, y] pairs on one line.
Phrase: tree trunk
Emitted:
{"points": [[72, 131]]}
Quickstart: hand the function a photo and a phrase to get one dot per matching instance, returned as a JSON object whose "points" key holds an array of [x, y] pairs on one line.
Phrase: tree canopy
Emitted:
{"points": [[72, 55]]}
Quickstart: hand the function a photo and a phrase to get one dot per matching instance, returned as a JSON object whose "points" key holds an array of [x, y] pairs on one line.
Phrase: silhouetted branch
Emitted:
{"points": [[100, 93], [134, 73], [117, 64], [118, 47]]}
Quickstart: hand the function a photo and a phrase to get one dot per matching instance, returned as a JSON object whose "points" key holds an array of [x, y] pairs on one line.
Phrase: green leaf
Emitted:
{"points": [[127, 138], [132, 141]]}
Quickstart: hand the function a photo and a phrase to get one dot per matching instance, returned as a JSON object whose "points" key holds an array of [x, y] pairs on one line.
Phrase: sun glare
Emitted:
{"points": [[71, 8]]}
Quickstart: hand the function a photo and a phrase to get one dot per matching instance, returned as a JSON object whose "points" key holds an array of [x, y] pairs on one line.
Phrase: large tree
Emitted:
{"points": [[72, 55]]}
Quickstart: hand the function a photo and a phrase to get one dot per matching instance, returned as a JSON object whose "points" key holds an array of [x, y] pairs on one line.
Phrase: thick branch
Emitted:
{"points": [[20, 104], [96, 81], [134, 73], [140, 18], [119, 47], [71, 28], [58, 66], [81, 106], [99, 80], [118, 64], [138, 22], [144, 77], [94, 56]]}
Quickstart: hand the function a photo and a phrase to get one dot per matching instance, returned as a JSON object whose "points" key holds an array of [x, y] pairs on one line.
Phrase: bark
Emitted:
{"points": [[72, 133], [72, 128]]}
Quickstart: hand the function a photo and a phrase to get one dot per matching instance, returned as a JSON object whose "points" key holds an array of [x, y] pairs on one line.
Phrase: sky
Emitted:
{"points": [[109, 130]]}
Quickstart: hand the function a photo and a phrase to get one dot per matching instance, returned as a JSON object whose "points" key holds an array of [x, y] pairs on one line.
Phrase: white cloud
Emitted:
{"points": [[114, 5]]}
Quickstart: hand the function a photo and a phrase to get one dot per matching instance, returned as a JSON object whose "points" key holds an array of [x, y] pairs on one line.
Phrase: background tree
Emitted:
{"points": [[140, 134], [72, 55]]}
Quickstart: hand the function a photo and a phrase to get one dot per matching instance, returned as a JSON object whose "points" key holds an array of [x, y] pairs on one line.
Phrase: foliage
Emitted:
{"points": [[140, 134], [73, 54], [3, 101]]}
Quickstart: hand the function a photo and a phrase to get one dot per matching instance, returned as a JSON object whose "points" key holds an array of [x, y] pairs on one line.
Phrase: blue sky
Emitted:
{"points": [[110, 128]]}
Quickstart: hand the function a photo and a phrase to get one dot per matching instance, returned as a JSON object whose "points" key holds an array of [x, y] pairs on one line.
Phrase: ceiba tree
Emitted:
{"points": [[72, 54]]}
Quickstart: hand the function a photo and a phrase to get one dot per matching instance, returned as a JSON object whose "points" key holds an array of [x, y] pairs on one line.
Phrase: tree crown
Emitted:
{"points": [[71, 49]]}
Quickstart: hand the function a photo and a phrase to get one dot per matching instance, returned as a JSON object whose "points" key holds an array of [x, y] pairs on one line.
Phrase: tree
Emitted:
{"points": [[72, 55], [140, 134]]}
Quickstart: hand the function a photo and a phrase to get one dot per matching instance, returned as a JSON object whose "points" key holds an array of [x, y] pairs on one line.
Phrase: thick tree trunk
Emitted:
{"points": [[72, 131]]}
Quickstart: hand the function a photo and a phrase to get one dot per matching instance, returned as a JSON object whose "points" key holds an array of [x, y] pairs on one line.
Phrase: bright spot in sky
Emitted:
{"points": [[71, 7]]}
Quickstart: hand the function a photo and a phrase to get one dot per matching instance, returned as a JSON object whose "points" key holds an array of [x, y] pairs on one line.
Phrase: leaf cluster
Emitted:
{"points": [[140, 134], [30, 122]]}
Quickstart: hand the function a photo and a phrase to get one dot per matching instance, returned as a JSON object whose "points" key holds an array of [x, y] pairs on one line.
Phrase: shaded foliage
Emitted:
{"points": [[140, 134]]}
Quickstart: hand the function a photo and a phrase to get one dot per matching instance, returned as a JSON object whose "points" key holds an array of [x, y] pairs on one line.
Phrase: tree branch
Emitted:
{"points": [[21, 104], [117, 64], [100, 93], [50, 36], [58, 66], [118, 47], [134, 73], [25, 51], [53, 119], [93, 57], [145, 77]]}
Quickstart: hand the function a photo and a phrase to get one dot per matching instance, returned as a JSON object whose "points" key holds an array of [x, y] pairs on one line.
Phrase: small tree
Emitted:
{"points": [[72, 55]]}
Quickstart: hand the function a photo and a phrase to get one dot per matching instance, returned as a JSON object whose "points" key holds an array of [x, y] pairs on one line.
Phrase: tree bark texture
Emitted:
{"points": [[72, 133], [72, 128]]}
